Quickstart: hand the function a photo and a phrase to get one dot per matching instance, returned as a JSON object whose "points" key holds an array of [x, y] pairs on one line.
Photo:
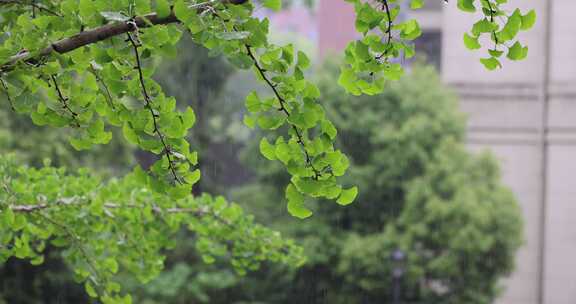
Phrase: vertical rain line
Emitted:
{"points": [[544, 149]]}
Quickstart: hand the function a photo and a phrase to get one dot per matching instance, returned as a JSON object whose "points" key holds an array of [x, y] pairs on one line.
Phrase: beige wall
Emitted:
{"points": [[507, 109], [335, 25], [560, 270]]}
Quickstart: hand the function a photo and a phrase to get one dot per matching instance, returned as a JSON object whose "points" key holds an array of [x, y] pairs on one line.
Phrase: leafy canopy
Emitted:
{"points": [[86, 65]]}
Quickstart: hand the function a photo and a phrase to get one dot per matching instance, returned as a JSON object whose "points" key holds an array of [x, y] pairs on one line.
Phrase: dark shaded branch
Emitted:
{"points": [[388, 32], [5, 88], [492, 12], [73, 203], [64, 102]]}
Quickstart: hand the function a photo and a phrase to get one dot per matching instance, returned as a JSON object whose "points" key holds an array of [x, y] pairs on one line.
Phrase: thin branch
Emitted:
{"points": [[283, 108], [5, 87], [386, 8], [98, 34], [148, 103], [78, 243], [492, 12], [107, 93], [64, 102], [158, 210], [41, 206]]}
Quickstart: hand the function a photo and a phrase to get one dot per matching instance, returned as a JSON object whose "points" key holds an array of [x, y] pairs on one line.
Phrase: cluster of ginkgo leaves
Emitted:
{"points": [[387, 37], [86, 66], [119, 225], [501, 27]]}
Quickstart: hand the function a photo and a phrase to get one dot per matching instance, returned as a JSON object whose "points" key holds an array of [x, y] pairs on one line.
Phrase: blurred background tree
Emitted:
{"points": [[421, 193]]}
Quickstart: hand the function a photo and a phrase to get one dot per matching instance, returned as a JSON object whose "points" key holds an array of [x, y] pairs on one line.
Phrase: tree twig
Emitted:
{"points": [[148, 104], [78, 244], [35, 6], [5, 88], [492, 20], [388, 32], [107, 93], [64, 102]]}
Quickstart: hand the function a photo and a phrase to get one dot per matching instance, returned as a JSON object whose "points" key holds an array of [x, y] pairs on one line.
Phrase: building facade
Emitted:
{"points": [[525, 114]]}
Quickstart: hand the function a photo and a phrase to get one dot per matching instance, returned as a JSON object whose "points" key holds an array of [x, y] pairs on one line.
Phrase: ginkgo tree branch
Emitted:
{"points": [[101, 33], [77, 241], [283, 109], [390, 24], [64, 101], [148, 103]]}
